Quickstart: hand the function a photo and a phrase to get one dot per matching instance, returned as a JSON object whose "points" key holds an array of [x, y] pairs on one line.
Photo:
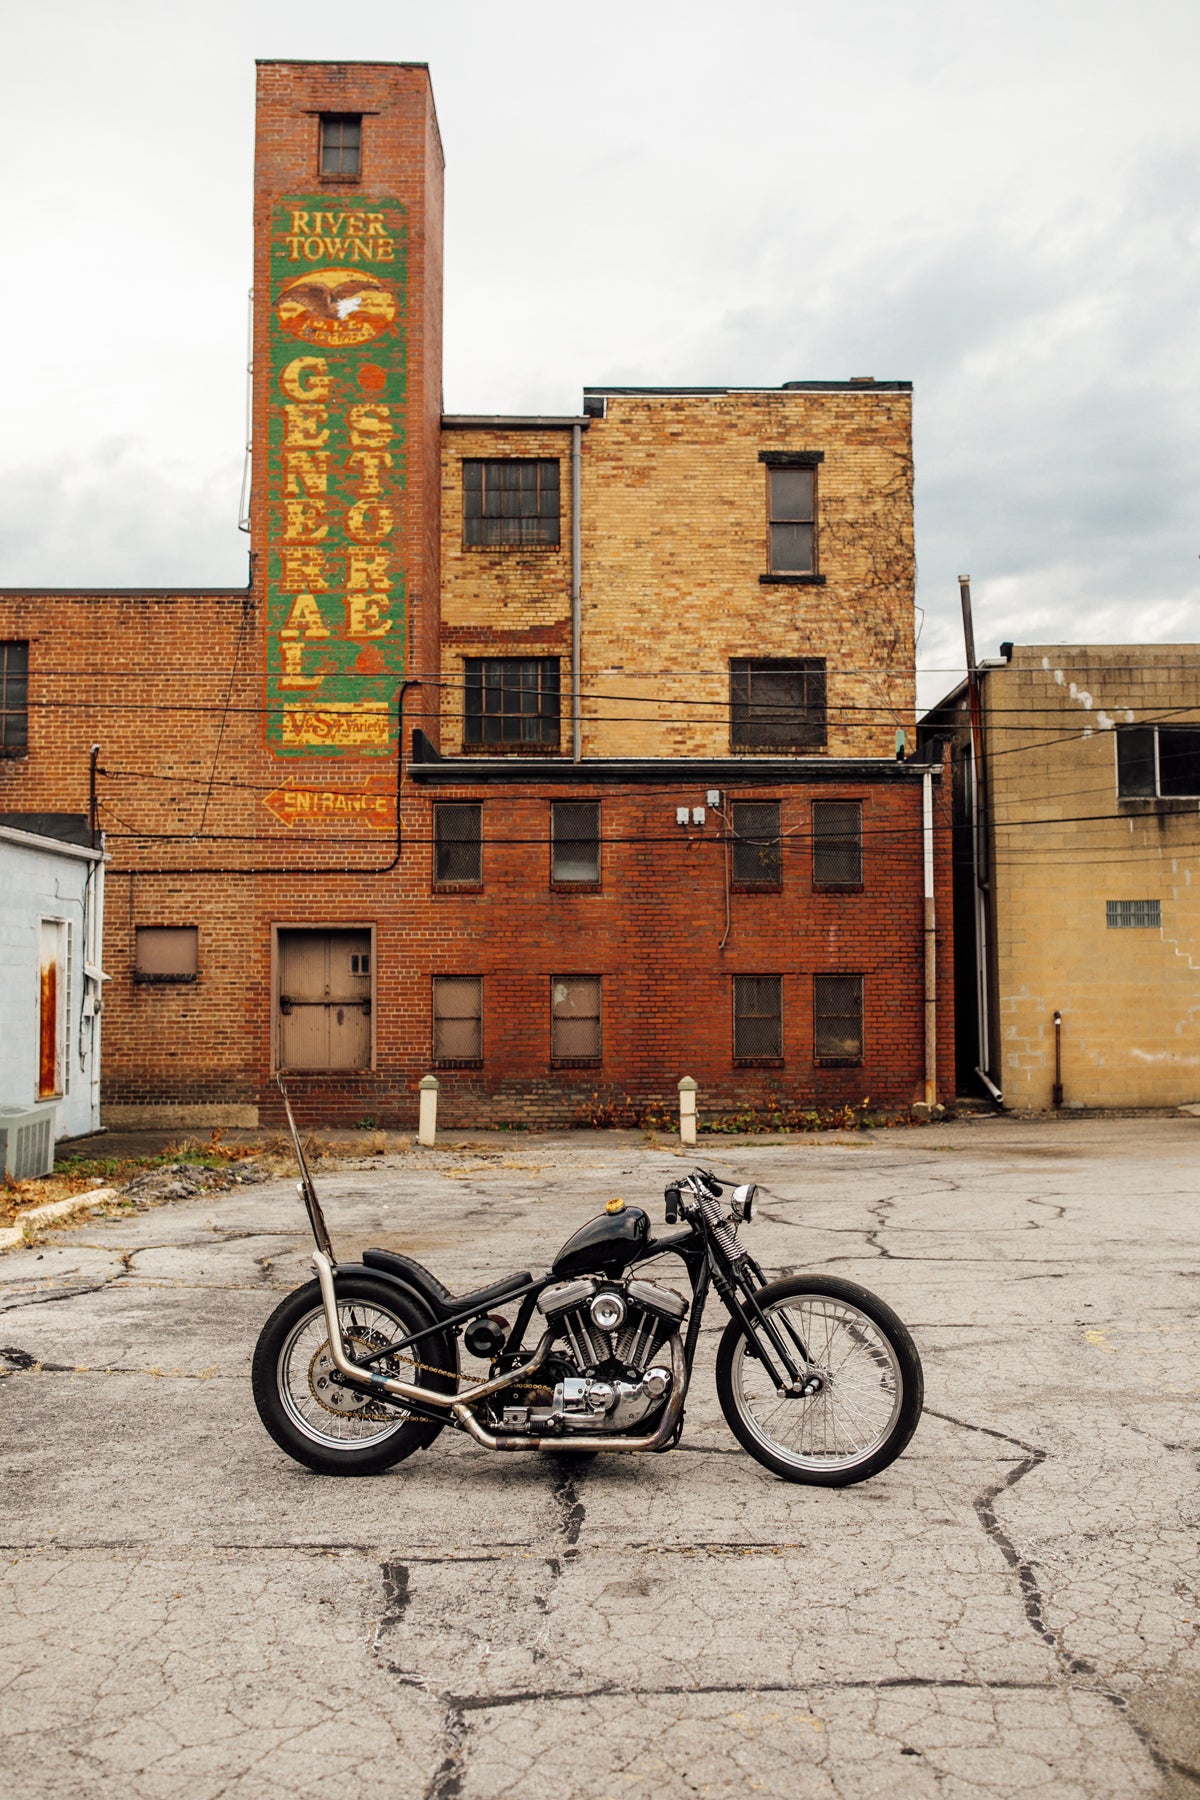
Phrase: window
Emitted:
{"points": [[14, 699], [458, 844], [791, 514], [777, 704], [575, 1018], [166, 953], [758, 1018], [324, 1016], [1158, 761], [341, 146], [510, 501], [757, 850], [1134, 915], [837, 843], [511, 700], [457, 1019], [837, 1018], [575, 834]]}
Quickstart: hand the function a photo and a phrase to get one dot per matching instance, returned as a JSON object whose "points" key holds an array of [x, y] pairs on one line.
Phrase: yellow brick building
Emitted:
{"points": [[1088, 860]]}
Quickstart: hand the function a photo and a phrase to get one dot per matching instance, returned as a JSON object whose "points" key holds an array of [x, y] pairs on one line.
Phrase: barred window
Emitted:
{"points": [[511, 501], [341, 145], [838, 1018], [777, 703], [575, 831], [14, 699], [837, 843], [575, 1018], [757, 847], [458, 843], [511, 700], [457, 1018], [1134, 915], [758, 1018]]}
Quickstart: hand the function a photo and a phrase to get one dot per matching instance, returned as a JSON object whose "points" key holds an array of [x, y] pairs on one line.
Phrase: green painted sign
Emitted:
{"points": [[336, 477]]}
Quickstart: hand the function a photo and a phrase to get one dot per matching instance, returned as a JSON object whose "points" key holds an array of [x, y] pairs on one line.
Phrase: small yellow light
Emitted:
{"points": [[615, 1206]]}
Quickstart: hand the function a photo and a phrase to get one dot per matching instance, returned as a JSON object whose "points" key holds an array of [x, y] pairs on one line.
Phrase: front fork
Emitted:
{"points": [[799, 1378]]}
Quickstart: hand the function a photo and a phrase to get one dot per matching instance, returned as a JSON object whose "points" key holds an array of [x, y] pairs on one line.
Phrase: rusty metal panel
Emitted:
{"points": [[49, 1033], [324, 1000]]}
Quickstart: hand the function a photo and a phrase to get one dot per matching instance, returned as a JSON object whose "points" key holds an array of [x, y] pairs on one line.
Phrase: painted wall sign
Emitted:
{"points": [[336, 477], [366, 805]]}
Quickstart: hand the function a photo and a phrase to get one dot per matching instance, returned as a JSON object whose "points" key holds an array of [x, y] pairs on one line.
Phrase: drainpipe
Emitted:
{"points": [[1057, 1096], [576, 602], [978, 845], [930, 943]]}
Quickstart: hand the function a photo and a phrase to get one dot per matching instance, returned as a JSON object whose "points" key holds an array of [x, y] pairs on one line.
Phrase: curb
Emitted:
{"points": [[54, 1209]]}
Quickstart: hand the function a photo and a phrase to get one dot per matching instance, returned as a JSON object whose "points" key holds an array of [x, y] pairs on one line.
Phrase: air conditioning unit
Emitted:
{"points": [[27, 1140]]}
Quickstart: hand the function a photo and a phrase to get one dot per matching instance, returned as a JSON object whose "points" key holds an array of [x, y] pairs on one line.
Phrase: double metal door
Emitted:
{"points": [[324, 999]]}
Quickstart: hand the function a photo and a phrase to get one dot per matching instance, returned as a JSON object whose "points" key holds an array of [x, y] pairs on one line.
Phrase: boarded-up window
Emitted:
{"points": [[757, 850], [324, 1000], [837, 843], [757, 1018], [167, 953], [575, 1018], [838, 1018], [457, 1018], [458, 844], [576, 834]]}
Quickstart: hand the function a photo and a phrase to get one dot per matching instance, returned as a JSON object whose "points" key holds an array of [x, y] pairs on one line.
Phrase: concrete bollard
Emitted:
{"points": [[687, 1111], [427, 1119]]}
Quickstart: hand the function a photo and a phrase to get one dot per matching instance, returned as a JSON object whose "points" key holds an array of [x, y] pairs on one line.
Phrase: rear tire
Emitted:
{"points": [[868, 1409], [321, 1423]]}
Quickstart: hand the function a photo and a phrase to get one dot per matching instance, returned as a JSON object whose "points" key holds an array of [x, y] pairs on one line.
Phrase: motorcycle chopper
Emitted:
{"points": [[817, 1378]]}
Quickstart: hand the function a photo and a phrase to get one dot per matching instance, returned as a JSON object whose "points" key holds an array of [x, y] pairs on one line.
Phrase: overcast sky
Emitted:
{"points": [[996, 201]]}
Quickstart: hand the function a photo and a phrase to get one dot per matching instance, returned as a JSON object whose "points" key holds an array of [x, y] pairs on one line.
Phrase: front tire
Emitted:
{"points": [[870, 1401], [336, 1429]]}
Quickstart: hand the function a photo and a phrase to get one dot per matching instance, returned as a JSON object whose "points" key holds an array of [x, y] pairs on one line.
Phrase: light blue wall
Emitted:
{"points": [[41, 880]]}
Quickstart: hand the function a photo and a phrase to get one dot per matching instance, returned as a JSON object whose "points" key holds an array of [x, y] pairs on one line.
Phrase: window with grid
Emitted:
{"points": [[457, 1018], [458, 843], [791, 519], [341, 145], [14, 699], [777, 703], [575, 1018], [1158, 761], [758, 1018], [510, 501], [838, 1018], [511, 700], [575, 830], [1134, 915], [837, 843], [757, 847]]}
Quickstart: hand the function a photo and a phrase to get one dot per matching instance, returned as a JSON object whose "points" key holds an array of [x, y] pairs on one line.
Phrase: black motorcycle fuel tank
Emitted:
{"points": [[606, 1245]]}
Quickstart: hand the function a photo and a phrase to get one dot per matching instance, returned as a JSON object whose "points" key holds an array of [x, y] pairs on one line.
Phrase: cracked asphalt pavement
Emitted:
{"points": [[1012, 1608]]}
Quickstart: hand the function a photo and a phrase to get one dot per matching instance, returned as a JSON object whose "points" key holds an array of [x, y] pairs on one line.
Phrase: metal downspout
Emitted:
{"points": [[576, 580], [978, 845], [930, 942]]}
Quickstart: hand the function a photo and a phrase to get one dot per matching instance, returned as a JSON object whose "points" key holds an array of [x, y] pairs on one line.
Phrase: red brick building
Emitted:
{"points": [[558, 756]]}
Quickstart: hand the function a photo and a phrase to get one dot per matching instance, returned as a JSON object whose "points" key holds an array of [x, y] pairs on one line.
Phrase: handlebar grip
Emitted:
{"points": [[671, 1197]]}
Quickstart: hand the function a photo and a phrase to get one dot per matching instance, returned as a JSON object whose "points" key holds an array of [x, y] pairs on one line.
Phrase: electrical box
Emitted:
{"points": [[681, 815], [698, 815], [27, 1140]]}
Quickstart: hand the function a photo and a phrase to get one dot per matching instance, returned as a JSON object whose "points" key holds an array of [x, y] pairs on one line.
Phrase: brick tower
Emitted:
{"points": [[347, 401]]}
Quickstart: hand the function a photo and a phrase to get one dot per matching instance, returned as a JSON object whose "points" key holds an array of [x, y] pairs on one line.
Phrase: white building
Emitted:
{"points": [[51, 934]]}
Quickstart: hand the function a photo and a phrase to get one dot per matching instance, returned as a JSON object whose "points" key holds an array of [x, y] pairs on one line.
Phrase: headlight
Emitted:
{"points": [[742, 1201], [607, 1310]]}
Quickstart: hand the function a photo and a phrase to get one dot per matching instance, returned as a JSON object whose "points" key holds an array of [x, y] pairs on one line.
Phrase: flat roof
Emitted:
{"points": [[863, 385], [514, 421]]}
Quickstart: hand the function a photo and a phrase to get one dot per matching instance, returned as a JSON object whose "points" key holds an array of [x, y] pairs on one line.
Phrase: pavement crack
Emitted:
{"points": [[447, 1779]]}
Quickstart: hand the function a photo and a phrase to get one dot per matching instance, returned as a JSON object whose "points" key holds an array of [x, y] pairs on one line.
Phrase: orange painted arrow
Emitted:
{"points": [[365, 805]]}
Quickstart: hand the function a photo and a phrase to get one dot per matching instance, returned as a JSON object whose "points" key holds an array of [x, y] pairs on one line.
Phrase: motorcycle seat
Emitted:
{"points": [[441, 1300]]}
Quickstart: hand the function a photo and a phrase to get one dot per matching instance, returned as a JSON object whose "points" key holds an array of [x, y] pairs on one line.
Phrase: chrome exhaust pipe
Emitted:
{"points": [[407, 1390]]}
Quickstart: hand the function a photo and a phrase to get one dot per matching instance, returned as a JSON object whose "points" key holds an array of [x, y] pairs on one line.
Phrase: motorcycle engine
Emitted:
{"points": [[607, 1364]]}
